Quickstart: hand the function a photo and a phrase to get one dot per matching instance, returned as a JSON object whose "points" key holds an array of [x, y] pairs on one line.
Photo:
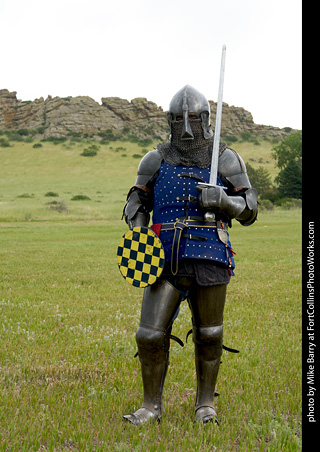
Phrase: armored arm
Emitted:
{"points": [[240, 202], [140, 197]]}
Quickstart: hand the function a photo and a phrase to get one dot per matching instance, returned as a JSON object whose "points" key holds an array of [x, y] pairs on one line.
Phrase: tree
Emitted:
{"points": [[288, 155], [260, 179], [290, 181], [289, 149]]}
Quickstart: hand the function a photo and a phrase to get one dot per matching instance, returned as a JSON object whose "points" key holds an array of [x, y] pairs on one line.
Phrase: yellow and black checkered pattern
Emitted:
{"points": [[140, 257]]}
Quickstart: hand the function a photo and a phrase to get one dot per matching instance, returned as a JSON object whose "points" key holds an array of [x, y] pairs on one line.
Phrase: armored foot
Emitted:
{"points": [[206, 414], [142, 416]]}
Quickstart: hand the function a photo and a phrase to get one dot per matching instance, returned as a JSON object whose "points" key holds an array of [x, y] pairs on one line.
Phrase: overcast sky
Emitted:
{"points": [[152, 48]]}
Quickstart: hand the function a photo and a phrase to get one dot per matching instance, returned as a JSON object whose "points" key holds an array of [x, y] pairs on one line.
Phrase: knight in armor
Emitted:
{"points": [[199, 257]]}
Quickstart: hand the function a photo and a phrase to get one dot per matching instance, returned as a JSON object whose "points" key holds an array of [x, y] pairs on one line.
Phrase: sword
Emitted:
{"points": [[210, 216]]}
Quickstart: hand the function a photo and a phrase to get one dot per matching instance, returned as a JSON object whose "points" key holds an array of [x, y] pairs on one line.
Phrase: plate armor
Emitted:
{"points": [[199, 256]]}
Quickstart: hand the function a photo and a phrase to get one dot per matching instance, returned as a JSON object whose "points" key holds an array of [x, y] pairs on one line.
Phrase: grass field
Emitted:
{"points": [[68, 319], [27, 174]]}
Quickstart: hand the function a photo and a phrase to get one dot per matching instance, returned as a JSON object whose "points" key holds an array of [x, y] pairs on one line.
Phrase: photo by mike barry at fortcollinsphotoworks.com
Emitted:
{"points": [[310, 398]]}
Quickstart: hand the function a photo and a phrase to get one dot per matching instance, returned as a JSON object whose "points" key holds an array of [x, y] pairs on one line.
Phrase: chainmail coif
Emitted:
{"points": [[196, 152]]}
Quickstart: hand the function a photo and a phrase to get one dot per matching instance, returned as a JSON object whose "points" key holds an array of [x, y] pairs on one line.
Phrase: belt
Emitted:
{"points": [[178, 226], [181, 224]]}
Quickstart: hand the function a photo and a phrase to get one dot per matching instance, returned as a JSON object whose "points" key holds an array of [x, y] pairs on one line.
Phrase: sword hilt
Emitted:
{"points": [[210, 216]]}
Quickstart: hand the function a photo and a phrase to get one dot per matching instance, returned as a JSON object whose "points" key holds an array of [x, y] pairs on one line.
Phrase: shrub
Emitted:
{"points": [[140, 141], [80, 198], [88, 152], [289, 203], [23, 132], [55, 140], [91, 151], [247, 136], [108, 135], [144, 142], [132, 138], [271, 195], [25, 195], [73, 134], [4, 143], [41, 130], [266, 204], [37, 145], [230, 139], [52, 194], [14, 136]]}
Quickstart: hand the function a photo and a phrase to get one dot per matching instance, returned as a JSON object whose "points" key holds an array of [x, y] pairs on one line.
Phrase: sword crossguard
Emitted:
{"points": [[207, 185]]}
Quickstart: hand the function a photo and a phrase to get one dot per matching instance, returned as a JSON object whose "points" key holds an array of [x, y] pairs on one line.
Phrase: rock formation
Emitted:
{"points": [[56, 117]]}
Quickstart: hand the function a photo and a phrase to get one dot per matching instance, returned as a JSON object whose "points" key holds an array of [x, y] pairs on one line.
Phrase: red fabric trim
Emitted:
{"points": [[156, 228]]}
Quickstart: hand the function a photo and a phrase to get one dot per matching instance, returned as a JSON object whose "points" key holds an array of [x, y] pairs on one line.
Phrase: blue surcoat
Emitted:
{"points": [[176, 200]]}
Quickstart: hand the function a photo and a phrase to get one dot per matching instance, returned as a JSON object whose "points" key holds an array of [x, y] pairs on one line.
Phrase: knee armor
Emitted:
{"points": [[152, 339], [209, 338]]}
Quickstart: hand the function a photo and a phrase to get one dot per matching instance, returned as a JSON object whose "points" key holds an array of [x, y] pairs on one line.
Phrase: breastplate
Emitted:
{"points": [[176, 201]]}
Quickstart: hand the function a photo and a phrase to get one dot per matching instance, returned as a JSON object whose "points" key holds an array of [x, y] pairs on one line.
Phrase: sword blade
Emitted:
{"points": [[217, 130]]}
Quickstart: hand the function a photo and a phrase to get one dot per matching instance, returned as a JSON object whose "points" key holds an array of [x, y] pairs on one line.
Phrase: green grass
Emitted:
{"points": [[68, 320], [27, 174], [33, 172]]}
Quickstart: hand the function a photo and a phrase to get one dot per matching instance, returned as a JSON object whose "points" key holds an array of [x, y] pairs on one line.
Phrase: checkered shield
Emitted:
{"points": [[140, 257]]}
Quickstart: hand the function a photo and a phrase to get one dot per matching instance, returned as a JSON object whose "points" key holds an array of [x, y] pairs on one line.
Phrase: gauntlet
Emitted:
{"points": [[242, 207]]}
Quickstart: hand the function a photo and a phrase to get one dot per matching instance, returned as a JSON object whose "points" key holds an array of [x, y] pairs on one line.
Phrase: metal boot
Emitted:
{"points": [[159, 305], [207, 306], [207, 373]]}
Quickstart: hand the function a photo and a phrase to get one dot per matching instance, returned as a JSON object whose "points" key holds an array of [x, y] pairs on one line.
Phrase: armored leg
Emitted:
{"points": [[159, 305], [207, 304]]}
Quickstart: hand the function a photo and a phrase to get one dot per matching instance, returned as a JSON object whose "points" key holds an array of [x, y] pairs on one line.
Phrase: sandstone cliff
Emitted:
{"points": [[56, 116]]}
